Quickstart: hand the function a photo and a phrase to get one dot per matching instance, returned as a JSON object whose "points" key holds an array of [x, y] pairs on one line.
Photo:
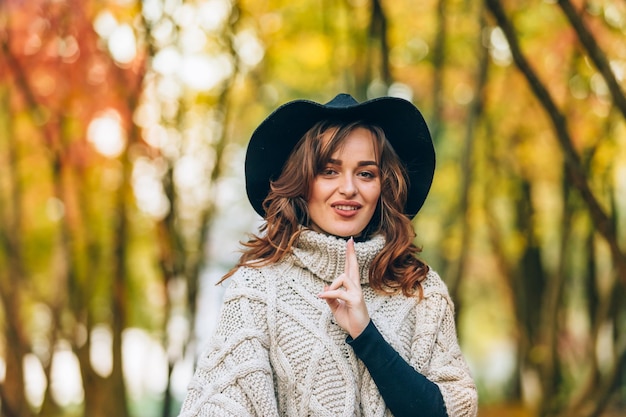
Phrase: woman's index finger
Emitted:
{"points": [[352, 264]]}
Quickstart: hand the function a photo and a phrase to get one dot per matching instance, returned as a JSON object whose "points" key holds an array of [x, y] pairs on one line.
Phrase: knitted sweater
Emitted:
{"points": [[278, 352]]}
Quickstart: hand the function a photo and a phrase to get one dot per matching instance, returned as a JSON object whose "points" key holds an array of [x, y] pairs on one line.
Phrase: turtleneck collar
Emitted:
{"points": [[324, 255]]}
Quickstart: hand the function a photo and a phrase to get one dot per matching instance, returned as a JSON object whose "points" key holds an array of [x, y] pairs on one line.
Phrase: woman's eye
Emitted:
{"points": [[367, 174], [328, 171]]}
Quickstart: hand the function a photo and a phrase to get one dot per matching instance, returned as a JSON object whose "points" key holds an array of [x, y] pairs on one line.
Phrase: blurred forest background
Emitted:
{"points": [[123, 125]]}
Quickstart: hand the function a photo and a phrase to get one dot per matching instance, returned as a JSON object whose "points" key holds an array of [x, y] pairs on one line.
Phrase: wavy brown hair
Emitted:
{"points": [[396, 267]]}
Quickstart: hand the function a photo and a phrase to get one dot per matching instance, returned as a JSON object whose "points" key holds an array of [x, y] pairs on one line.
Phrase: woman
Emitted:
{"points": [[329, 312]]}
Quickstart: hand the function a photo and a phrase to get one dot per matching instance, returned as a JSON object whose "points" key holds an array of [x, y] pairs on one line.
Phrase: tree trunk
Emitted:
{"points": [[12, 276]]}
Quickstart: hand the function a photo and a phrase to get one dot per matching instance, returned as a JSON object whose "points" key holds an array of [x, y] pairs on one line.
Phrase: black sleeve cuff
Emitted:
{"points": [[406, 392]]}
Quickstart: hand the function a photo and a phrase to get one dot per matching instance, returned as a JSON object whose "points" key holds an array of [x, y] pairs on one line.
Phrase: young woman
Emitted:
{"points": [[329, 312]]}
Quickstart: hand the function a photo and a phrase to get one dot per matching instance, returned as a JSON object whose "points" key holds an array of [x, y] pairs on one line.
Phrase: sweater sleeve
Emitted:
{"points": [[233, 377], [406, 392], [436, 349]]}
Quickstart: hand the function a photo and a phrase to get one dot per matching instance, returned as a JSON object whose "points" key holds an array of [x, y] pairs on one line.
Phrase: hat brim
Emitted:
{"points": [[403, 124]]}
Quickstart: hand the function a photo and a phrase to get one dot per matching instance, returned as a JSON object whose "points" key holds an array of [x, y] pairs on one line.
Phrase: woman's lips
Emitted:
{"points": [[346, 209]]}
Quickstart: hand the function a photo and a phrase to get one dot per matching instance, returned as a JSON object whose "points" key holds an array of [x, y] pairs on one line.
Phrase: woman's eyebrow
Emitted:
{"points": [[360, 163], [366, 163]]}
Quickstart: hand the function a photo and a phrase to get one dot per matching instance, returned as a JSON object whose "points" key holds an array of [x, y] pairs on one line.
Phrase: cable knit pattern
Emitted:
{"points": [[278, 352]]}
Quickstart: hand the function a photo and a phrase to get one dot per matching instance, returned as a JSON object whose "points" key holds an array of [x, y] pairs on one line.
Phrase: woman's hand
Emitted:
{"points": [[345, 297]]}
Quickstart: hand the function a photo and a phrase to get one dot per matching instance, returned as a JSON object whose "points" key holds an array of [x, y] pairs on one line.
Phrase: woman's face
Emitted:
{"points": [[344, 195]]}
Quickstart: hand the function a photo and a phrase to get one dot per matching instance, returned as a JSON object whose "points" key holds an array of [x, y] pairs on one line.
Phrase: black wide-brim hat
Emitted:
{"points": [[403, 124]]}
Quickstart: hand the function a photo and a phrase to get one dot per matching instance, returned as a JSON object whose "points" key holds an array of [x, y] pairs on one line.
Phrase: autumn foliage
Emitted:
{"points": [[122, 125]]}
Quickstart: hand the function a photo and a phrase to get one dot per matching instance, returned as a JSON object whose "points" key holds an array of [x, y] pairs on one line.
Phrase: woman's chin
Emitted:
{"points": [[341, 232]]}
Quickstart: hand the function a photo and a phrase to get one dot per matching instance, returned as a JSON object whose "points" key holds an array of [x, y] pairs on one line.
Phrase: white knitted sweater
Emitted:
{"points": [[278, 352]]}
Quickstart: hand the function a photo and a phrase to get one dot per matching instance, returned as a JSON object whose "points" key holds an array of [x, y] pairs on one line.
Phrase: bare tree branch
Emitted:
{"points": [[439, 54], [378, 32], [475, 111], [595, 53], [601, 220]]}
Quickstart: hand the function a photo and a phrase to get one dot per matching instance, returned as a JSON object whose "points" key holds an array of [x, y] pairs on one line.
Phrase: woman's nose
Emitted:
{"points": [[347, 186]]}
